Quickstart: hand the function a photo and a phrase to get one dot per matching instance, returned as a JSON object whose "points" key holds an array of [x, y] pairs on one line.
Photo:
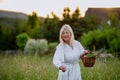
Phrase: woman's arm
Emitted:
{"points": [[58, 57]]}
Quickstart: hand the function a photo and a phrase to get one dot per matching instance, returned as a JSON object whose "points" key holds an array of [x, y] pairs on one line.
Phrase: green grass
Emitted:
{"points": [[102, 71], [21, 67]]}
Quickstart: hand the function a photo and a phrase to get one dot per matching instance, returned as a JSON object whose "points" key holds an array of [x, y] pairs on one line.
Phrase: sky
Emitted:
{"points": [[44, 7]]}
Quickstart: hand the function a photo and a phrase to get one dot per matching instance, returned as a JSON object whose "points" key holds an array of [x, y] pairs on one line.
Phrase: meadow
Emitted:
{"points": [[29, 67]]}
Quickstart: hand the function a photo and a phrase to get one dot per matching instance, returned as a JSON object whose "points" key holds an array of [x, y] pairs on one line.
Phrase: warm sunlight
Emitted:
{"points": [[44, 7], [59, 39]]}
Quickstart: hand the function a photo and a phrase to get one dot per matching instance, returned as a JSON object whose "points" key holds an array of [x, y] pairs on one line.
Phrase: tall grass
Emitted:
{"points": [[28, 67], [102, 71]]}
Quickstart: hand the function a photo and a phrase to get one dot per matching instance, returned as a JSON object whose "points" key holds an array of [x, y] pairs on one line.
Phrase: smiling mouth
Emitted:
{"points": [[66, 36]]}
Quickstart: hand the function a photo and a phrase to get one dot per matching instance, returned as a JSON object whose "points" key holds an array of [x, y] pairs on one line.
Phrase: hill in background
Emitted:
{"points": [[102, 13], [11, 14], [99, 12]]}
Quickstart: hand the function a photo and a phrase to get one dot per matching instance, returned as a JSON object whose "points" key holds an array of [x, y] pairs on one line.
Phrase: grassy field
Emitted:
{"points": [[19, 67]]}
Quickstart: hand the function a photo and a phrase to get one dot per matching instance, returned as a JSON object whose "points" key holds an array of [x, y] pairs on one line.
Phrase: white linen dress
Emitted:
{"points": [[68, 57]]}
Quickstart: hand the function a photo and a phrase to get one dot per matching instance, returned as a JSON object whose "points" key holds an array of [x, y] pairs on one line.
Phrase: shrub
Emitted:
{"points": [[98, 38], [21, 40], [38, 47], [42, 46], [30, 47], [88, 40], [115, 43], [52, 46]]}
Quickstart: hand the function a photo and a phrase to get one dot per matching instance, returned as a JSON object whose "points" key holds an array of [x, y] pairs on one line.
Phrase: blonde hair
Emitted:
{"points": [[66, 26]]}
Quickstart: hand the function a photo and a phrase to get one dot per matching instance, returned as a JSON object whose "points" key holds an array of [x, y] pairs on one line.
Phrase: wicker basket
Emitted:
{"points": [[88, 61]]}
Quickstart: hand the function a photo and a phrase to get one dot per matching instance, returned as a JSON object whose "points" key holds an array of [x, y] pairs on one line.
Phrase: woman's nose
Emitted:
{"points": [[65, 34]]}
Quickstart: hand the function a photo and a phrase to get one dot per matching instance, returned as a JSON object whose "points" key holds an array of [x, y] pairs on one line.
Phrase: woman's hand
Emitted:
{"points": [[84, 53], [63, 68]]}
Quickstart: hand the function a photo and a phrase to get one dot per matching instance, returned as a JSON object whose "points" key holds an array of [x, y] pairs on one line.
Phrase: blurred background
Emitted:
{"points": [[96, 24], [29, 34]]}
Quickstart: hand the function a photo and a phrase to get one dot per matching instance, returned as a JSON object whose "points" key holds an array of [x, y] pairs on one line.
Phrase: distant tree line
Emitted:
{"points": [[48, 28]]}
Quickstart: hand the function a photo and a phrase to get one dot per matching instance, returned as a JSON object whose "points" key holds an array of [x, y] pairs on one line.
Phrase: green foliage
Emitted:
{"points": [[33, 25], [113, 19], [27, 68], [42, 46], [66, 15], [30, 47], [36, 47], [76, 14], [104, 24], [75, 20], [90, 54], [93, 38], [87, 40], [21, 40], [50, 29], [52, 46], [9, 29], [32, 20], [92, 22], [108, 38], [115, 47]]}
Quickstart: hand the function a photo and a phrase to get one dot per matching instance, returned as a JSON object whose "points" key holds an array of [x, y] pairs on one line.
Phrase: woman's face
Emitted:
{"points": [[66, 36]]}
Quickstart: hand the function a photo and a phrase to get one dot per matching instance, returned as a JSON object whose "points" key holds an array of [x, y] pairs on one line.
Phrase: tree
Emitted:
{"points": [[32, 27], [66, 16], [50, 28], [78, 23], [92, 22], [113, 17], [76, 14], [21, 40]]}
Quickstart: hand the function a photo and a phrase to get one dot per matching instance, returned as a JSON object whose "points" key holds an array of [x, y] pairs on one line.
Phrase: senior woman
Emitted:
{"points": [[67, 55]]}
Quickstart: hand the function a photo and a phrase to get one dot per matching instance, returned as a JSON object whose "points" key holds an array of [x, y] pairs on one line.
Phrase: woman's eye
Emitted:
{"points": [[66, 32]]}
